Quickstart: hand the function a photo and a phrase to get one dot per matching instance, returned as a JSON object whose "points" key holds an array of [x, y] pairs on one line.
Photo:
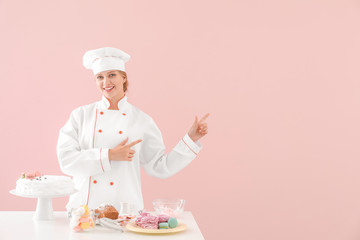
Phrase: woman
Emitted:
{"points": [[103, 144]]}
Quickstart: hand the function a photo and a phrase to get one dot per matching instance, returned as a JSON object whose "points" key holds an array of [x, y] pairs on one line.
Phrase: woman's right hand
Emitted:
{"points": [[123, 152]]}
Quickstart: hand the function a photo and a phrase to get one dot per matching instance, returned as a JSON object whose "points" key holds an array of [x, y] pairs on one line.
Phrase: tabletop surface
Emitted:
{"points": [[20, 225]]}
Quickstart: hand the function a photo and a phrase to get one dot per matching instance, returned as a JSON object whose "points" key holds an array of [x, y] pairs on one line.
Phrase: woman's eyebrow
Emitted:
{"points": [[108, 73]]}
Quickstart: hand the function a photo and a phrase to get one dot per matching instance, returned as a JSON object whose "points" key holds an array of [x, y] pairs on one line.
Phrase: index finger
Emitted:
{"points": [[204, 117], [134, 143]]}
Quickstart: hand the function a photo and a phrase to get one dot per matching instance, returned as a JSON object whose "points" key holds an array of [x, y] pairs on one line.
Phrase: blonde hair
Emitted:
{"points": [[124, 75]]}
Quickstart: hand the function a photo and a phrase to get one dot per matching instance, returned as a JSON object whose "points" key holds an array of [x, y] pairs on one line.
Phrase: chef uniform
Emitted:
{"points": [[84, 143]]}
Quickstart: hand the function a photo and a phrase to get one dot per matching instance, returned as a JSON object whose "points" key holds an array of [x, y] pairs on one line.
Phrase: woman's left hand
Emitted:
{"points": [[199, 128]]}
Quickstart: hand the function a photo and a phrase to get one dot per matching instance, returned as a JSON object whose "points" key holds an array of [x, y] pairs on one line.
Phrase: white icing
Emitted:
{"points": [[45, 185], [103, 206]]}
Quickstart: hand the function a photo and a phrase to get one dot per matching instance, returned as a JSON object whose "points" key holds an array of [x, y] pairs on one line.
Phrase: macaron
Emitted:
{"points": [[163, 225], [172, 222]]}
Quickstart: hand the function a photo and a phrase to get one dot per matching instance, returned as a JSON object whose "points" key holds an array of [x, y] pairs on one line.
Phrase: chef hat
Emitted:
{"points": [[103, 59]]}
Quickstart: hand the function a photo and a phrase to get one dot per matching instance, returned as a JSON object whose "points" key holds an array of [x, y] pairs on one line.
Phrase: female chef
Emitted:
{"points": [[103, 144]]}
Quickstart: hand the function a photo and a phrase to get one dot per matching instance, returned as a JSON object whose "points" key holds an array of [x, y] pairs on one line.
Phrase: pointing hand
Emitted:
{"points": [[199, 128], [123, 152]]}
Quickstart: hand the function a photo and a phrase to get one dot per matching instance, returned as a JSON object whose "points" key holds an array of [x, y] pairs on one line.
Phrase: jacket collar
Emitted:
{"points": [[105, 103]]}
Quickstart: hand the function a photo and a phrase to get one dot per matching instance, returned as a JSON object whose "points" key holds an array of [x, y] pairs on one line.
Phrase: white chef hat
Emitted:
{"points": [[103, 59]]}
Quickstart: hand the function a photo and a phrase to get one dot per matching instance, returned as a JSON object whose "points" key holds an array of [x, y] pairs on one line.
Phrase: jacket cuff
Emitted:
{"points": [[195, 147], [104, 159]]}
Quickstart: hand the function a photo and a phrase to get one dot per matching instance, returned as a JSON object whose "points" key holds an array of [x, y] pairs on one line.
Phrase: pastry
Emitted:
{"points": [[106, 210]]}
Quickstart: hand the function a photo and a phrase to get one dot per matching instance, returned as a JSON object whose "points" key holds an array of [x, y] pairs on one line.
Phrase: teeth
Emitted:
{"points": [[108, 88]]}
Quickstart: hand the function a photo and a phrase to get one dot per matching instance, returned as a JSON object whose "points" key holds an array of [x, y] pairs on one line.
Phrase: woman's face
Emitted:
{"points": [[110, 83]]}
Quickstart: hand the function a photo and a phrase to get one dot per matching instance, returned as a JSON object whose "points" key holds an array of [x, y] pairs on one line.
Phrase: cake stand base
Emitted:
{"points": [[44, 209]]}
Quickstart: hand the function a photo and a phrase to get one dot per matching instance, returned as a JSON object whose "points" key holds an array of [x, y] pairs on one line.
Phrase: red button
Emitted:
{"points": [[120, 132], [124, 114], [95, 181], [101, 113], [111, 183], [100, 130]]}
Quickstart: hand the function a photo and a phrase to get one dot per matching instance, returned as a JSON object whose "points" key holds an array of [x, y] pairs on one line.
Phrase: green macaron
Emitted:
{"points": [[163, 225], [172, 222]]}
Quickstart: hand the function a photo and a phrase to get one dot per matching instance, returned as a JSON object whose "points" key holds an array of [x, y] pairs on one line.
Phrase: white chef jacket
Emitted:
{"points": [[83, 152]]}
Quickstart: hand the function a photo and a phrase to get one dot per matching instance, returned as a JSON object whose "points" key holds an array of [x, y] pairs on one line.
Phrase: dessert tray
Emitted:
{"points": [[133, 227], [44, 209]]}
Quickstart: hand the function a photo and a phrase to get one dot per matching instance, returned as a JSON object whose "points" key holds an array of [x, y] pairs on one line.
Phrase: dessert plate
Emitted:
{"points": [[133, 227]]}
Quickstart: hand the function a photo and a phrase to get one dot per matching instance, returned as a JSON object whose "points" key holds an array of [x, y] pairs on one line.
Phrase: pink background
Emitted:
{"points": [[280, 79]]}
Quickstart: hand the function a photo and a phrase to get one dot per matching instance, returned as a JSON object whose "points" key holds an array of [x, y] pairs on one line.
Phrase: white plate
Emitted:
{"points": [[133, 227], [42, 195]]}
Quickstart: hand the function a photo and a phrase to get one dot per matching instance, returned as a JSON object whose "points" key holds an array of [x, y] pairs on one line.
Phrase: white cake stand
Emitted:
{"points": [[44, 209]]}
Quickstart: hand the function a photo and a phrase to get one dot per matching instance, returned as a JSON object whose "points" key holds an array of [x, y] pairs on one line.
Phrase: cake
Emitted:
{"points": [[39, 184], [106, 210]]}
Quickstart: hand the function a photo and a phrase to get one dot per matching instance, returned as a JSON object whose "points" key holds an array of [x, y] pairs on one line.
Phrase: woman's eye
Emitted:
{"points": [[112, 74], [99, 77]]}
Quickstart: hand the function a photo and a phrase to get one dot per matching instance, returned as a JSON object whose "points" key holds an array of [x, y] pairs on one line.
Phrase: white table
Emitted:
{"points": [[20, 225]]}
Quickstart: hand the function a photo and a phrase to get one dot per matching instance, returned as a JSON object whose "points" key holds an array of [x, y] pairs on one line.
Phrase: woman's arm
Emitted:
{"points": [[158, 164], [75, 161]]}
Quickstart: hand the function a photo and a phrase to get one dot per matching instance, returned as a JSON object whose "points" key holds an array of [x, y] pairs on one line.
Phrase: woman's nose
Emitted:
{"points": [[106, 80]]}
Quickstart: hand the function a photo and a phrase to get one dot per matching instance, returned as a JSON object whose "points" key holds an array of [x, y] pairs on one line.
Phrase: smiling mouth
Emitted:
{"points": [[109, 88]]}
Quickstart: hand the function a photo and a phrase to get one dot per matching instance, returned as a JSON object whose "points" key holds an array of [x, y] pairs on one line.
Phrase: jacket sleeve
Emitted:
{"points": [[158, 164], [75, 161]]}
